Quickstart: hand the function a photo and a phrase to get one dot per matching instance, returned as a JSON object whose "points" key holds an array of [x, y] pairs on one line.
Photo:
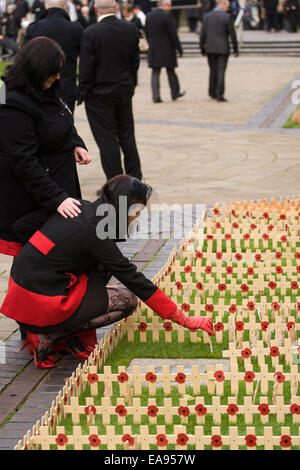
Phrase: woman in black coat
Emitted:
{"points": [[60, 276], [39, 145]]}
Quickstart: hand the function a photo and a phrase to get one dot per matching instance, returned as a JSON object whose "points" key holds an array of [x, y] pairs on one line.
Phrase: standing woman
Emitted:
{"points": [[39, 145]]}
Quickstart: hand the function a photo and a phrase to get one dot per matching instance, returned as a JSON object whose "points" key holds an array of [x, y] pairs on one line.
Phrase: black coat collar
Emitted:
{"points": [[55, 11]]}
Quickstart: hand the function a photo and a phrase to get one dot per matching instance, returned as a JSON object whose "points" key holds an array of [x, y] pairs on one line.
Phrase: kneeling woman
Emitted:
{"points": [[57, 287]]}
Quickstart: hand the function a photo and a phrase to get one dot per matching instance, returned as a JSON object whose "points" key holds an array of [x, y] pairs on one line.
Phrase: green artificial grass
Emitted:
{"points": [[3, 66], [289, 124]]}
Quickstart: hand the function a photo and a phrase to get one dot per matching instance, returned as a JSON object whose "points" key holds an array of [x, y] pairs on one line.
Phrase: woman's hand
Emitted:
{"points": [[69, 208], [81, 156]]}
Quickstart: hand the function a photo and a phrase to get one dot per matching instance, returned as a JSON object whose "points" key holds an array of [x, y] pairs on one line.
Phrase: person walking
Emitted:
{"points": [[214, 42], [109, 61], [55, 23], [163, 43]]}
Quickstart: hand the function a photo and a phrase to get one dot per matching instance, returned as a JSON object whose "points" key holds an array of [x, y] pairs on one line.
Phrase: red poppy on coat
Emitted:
{"points": [[199, 254], [274, 351], [216, 441], [258, 257], [244, 288], [264, 325], [222, 287], [199, 286], [250, 271], [239, 325], [232, 308], [283, 238], [61, 439], [295, 409], [208, 269], [216, 211], [183, 411], [121, 410], [235, 225], [178, 285], [249, 376], [188, 269], [180, 378], [253, 226], [290, 325], [168, 326], [128, 438], [275, 306], [279, 377], [182, 439], [92, 378], [200, 410], [251, 306], [218, 225], [229, 269], [227, 236], [264, 409], [152, 410], [209, 308], [161, 440], [232, 409], [90, 409], [123, 377], [285, 441], [270, 227], [298, 269], [265, 215], [238, 256], [150, 377], [282, 217], [250, 440], [219, 326], [246, 353], [94, 440], [246, 236], [209, 237], [294, 285], [185, 307], [142, 326], [219, 376], [272, 285]]}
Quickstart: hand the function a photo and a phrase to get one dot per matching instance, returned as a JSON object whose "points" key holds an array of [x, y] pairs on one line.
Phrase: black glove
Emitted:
{"points": [[203, 52]]}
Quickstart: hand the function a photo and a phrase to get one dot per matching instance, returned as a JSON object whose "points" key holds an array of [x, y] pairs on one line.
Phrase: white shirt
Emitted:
{"points": [[100, 18]]}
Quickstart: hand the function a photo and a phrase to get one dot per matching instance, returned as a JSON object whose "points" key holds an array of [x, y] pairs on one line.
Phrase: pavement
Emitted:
{"points": [[198, 151]]}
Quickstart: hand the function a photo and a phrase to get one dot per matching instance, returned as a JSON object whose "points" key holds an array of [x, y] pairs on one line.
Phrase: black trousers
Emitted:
{"points": [[112, 126], [155, 83], [217, 67]]}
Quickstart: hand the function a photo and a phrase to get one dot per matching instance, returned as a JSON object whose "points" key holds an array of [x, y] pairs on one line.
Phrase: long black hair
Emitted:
{"points": [[36, 61]]}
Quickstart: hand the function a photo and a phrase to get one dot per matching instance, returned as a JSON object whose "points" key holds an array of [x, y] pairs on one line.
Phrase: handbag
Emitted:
{"points": [[143, 43]]}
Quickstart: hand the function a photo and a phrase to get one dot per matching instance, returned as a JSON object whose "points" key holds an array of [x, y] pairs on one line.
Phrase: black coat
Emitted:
{"points": [[38, 8], [37, 164], [162, 38], [109, 58], [216, 30], [55, 24]]}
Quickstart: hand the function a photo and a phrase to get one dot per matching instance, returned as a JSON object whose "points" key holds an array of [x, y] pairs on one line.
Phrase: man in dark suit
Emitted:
{"points": [[109, 61], [55, 23], [214, 41], [163, 43]]}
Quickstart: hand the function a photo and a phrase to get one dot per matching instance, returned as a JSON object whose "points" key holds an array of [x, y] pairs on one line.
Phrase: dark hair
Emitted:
{"points": [[136, 191], [39, 59]]}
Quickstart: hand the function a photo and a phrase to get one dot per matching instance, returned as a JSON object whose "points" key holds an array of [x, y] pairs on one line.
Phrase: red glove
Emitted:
{"points": [[193, 323]]}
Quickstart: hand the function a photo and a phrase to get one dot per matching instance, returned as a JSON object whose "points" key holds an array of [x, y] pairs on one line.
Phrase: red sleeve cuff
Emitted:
{"points": [[161, 304]]}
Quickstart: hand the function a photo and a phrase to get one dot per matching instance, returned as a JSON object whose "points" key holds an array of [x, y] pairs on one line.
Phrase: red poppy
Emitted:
{"points": [[216, 211], [208, 270], [188, 269], [169, 269], [250, 440], [61, 439], [239, 325], [150, 377], [200, 410], [265, 236], [278, 254], [270, 227], [123, 377], [209, 308], [235, 225], [264, 325], [295, 409], [185, 307], [219, 326], [294, 285], [178, 285], [238, 256], [250, 271], [265, 215], [152, 410], [249, 376], [183, 411], [199, 254], [264, 409], [275, 306], [142, 326], [283, 238], [90, 409], [232, 409], [219, 255], [297, 255], [246, 353], [128, 438], [274, 351], [218, 225], [297, 306], [92, 378], [216, 441], [285, 441], [94, 440], [180, 378], [244, 288], [219, 376], [258, 257], [279, 377], [290, 325], [182, 439], [232, 308], [246, 236], [227, 236], [229, 270], [168, 326], [282, 217], [121, 410], [209, 237], [272, 285], [161, 440], [253, 226], [251, 306], [233, 213], [199, 286], [222, 287], [298, 269]]}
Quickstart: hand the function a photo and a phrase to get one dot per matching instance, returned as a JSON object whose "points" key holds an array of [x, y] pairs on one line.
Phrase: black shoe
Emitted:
{"points": [[221, 100], [158, 100], [212, 97], [180, 95]]}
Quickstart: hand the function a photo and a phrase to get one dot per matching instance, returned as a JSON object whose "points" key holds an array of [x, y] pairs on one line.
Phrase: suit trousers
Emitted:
{"points": [[217, 67], [112, 126], [155, 83]]}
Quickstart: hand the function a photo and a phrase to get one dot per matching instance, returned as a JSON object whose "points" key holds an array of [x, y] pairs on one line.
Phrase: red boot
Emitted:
{"points": [[73, 345], [42, 358]]}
